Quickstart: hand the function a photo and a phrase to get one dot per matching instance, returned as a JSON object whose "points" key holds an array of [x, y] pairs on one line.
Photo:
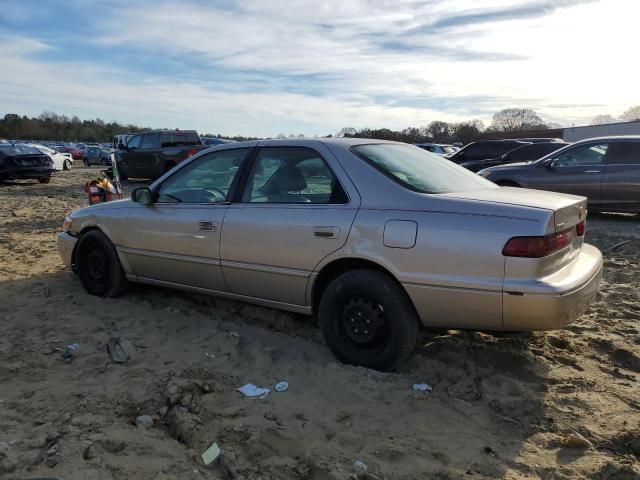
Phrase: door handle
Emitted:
{"points": [[326, 232], [592, 171]]}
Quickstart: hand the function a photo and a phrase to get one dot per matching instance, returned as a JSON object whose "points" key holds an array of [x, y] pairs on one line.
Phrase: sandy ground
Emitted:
{"points": [[500, 407]]}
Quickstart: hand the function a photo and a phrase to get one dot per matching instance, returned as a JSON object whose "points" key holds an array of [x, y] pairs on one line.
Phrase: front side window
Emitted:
{"points": [[418, 170], [134, 142], [292, 175], [624, 153], [205, 180], [591, 154]]}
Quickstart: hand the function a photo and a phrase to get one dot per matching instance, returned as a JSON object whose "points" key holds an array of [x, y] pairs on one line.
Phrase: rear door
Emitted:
{"points": [[577, 171], [294, 211], [621, 179]]}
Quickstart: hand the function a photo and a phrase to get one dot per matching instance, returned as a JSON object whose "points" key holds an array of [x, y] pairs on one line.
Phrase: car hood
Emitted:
{"points": [[519, 196]]}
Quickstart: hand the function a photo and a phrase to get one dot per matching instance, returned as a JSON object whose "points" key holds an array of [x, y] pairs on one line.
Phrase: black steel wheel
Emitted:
{"points": [[98, 265], [367, 319]]}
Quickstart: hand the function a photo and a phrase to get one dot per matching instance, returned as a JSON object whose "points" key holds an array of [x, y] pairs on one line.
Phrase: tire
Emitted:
{"points": [[368, 297], [507, 183], [44, 180], [103, 162], [66, 165], [86, 162], [98, 265]]}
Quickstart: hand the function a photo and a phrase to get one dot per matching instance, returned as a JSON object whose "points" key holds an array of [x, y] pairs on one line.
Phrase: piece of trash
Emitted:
{"points": [[422, 387], [67, 354], [251, 391], [615, 247], [144, 421], [209, 355], [210, 454], [360, 469], [575, 440], [281, 386], [117, 351]]}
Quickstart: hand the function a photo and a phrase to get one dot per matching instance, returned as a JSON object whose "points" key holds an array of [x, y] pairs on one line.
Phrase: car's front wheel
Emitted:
{"points": [[86, 162], [44, 179], [367, 319], [98, 265]]}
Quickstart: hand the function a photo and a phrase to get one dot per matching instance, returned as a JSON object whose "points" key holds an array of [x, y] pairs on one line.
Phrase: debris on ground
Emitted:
{"points": [[210, 454], [144, 421], [422, 387], [251, 391], [575, 440], [281, 386]]}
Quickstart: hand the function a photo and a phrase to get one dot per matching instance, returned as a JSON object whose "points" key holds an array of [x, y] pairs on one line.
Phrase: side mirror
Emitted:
{"points": [[549, 163], [504, 157], [142, 195]]}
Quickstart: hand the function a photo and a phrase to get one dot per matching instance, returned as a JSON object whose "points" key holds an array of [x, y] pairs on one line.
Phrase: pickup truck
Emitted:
{"points": [[151, 154]]}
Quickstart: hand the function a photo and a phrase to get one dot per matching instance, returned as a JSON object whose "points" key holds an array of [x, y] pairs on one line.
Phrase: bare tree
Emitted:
{"points": [[516, 119], [602, 119], [631, 114]]}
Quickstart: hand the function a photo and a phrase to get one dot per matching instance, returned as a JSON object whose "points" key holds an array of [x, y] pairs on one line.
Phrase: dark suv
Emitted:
{"points": [[483, 149], [524, 153], [151, 154]]}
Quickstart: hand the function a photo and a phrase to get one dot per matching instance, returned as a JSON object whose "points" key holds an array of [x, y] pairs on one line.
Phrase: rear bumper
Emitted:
{"points": [[66, 246], [557, 300]]}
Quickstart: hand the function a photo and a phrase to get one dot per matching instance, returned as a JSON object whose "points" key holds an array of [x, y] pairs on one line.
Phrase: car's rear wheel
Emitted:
{"points": [[98, 265], [86, 162], [66, 165], [103, 162], [367, 319], [44, 179]]}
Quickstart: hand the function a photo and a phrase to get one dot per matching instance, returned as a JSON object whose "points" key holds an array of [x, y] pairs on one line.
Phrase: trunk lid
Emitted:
{"points": [[568, 210]]}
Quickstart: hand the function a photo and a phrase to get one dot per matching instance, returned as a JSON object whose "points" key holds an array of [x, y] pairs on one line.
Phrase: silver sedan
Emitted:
{"points": [[375, 238]]}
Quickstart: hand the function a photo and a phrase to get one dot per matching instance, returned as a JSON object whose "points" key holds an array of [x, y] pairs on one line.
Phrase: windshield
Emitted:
{"points": [[419, 170], [18, 149]]}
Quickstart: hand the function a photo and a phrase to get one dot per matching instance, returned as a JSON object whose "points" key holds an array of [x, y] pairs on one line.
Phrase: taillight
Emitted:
{"points": [[191, 152], [537, 247], [581, 227]]}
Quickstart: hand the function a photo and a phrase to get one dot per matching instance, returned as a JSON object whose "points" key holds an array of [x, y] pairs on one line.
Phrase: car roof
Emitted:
{"points": [[611, 138]]}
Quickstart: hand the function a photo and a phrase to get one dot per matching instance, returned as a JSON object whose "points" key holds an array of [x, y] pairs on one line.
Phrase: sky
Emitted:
{"points": [[264, 67]]}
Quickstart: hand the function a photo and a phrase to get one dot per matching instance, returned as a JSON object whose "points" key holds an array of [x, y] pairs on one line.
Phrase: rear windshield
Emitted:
{"points": [[178, 139], [419, 170], [9, 149]]}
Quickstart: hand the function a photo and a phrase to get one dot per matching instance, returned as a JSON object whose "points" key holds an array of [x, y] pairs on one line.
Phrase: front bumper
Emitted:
{"points": [[16, 173], [66, 246], [557, 300]]}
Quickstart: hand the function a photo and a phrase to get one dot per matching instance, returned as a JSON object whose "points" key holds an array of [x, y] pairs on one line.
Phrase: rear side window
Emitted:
{"points": [[134, 142], [180, 139], [149, 140], [627, 153]]}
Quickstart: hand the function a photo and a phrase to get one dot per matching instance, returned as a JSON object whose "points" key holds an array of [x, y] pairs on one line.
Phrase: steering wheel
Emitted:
{"points": [[215, 193]]}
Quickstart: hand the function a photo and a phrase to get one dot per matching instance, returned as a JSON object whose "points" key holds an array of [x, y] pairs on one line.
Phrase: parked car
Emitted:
{"points": [[120, 141], [538, 140], [605, 170], [76, 153], [151, 154], [210, 141], [97, 156], [61, 161], [437, 148], [20, 161], [376, 238], [524, 153], [483, 149]]}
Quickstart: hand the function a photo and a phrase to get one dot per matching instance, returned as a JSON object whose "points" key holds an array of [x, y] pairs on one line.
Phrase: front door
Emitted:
{"points": [[176, 240], [621, 178], [294, 211], [577, 171], [128, 156]]}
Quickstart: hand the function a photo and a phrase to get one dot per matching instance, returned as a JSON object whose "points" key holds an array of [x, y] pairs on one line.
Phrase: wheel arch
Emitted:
{"points": [[337, 267]]}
